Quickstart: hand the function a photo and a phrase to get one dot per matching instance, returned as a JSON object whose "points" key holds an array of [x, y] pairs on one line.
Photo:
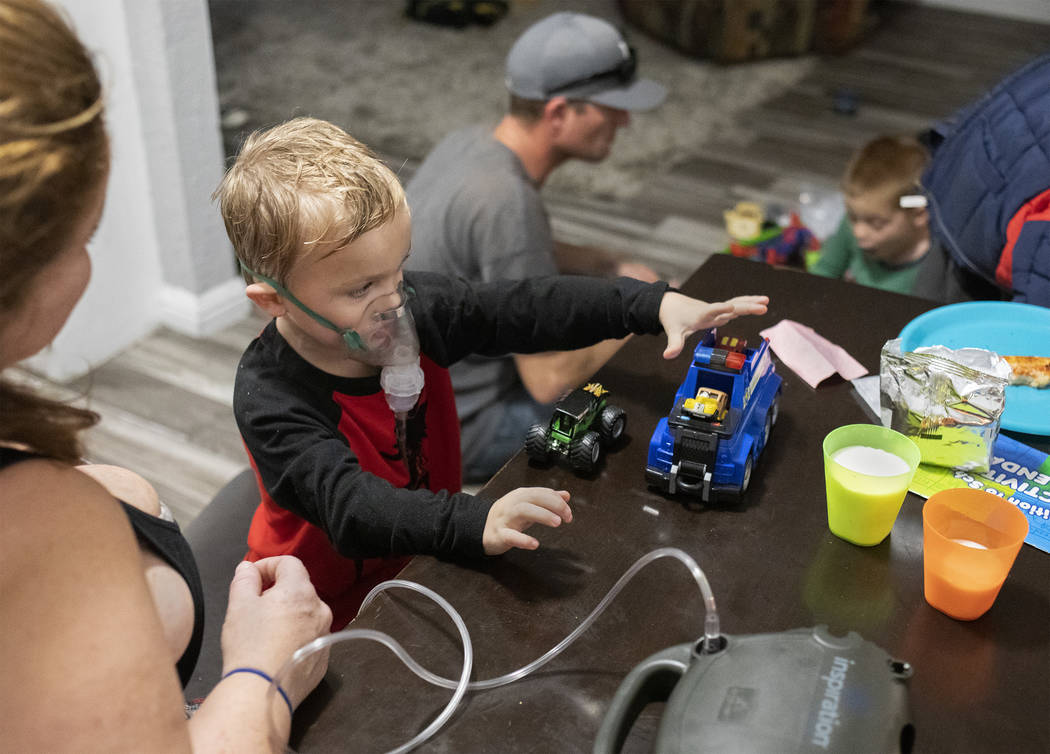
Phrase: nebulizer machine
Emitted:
{"points": [[385, 337]]}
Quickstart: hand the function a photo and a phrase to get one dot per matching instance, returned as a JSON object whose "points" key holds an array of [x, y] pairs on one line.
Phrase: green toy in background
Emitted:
{"points": [[752, 236]]}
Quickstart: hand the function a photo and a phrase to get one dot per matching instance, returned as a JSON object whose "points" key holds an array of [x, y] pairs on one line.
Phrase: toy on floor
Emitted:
{"points": [[752, 236], [582, 423], [720, 423]]}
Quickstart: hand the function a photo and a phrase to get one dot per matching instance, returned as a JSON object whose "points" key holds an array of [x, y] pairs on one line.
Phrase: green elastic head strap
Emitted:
{"points": [[352, 339]]}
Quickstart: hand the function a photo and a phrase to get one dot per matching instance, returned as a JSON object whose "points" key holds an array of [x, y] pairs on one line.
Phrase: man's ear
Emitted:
{"points": [[266, 298], [556, 110]]}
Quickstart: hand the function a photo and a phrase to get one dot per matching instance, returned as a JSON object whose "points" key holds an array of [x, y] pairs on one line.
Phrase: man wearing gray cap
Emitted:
{"points": [[477, 213]]}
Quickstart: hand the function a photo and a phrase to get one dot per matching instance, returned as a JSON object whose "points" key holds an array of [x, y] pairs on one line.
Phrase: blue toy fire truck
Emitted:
{"points": [[723, 414]]}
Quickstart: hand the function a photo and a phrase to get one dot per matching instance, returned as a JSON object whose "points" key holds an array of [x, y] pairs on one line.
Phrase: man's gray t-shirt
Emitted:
{"points": [[476, 214]]}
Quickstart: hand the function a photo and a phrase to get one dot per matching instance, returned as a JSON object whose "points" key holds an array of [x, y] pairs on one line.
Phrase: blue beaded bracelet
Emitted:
{"points": [[268, 678]]}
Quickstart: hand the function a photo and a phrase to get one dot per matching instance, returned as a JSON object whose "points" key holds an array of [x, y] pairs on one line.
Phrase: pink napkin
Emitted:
{"points": [[808, 355]]}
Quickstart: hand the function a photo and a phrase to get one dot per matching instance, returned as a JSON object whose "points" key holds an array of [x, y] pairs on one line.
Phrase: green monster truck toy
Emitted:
{"points": [[583, 422]]}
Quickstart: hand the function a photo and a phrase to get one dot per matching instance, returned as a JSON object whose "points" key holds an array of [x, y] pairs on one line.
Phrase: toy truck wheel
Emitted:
{"points": [[768, 429], [536, 444], [585, 452], [746, 481], [774, 410], [613, 423]]}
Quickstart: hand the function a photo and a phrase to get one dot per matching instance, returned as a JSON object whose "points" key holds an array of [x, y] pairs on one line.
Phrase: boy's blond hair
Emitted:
{"points": [[298, 186], [887, 165]]}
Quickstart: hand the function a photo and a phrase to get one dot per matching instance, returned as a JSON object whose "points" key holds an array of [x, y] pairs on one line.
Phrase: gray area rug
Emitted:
{"points": [[399, 85]]}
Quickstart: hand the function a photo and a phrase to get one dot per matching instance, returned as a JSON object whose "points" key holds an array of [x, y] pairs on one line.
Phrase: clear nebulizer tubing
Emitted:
{"points": [[712, 631], [711, 640], [378, 636]]}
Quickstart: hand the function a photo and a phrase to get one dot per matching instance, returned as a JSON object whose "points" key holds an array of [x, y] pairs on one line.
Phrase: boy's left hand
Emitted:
{"points": [[682, 316], [519, 509]]}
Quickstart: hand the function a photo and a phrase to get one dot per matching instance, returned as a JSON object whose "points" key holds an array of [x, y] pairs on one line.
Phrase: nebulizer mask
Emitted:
{"points": [[385, 337]]}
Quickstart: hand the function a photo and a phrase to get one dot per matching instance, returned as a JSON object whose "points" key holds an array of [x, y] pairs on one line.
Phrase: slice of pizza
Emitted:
{"points": [[1030, 370]]}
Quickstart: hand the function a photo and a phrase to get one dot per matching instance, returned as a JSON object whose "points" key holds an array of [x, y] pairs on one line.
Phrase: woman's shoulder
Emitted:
{"points": [[42, 476], [47, 502]]}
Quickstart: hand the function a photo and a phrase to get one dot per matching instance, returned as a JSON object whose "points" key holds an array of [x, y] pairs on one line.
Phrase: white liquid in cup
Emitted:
{"points": [[870, 461]]}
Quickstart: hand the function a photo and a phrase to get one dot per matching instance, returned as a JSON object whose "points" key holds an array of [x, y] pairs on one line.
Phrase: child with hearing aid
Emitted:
{"points": [[885, 233]]}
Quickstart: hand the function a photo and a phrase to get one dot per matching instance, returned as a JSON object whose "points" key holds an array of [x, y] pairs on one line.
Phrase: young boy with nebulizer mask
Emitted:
{"points": [[344, 401]]}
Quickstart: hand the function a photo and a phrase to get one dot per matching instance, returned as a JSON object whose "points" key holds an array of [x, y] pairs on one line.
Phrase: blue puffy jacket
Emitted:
{"points": [[989, 160]]}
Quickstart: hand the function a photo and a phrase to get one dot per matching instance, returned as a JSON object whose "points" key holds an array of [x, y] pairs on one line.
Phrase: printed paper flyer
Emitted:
{"points": [[1019, 473]]}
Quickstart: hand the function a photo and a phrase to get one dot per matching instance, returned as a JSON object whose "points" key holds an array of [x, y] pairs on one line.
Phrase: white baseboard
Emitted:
{"points": [[202, 314]]}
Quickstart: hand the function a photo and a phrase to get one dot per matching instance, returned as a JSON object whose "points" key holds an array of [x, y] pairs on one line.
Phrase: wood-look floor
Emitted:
{"points": [[165, 402]]}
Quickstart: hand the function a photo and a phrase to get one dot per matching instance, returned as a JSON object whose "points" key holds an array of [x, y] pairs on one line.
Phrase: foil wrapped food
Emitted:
{"points": [[948, 401]]}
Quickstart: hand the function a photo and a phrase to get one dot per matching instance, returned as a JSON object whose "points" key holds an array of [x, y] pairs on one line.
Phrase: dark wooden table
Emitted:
{"points": [[772, 563]]}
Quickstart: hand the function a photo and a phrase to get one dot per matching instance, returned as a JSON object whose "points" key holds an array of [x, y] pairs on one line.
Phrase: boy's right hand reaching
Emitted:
{"points": [[519, 509], [683, 315]]}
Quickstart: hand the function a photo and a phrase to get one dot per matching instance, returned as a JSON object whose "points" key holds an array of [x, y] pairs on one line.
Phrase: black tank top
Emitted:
{"points": [[166, 540]]}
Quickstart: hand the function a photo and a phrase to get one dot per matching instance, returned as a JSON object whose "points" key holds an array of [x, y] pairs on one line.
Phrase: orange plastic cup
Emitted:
{"points": [[970, 539]]}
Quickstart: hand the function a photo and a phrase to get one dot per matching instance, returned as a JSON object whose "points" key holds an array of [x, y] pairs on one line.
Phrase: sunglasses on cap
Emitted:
{"points": [[623, 72]]}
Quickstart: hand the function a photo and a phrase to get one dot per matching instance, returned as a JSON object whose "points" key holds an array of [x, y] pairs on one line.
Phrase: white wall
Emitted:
{"points": [[160, 255], [1029, 10]]}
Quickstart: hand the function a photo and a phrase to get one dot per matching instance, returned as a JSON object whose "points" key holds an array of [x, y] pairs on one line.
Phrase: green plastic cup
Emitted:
{"points": [[863, 506]]}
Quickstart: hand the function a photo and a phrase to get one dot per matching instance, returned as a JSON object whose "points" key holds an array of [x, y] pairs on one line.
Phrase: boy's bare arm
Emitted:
{"points": [[547, 376], [573, 259]]}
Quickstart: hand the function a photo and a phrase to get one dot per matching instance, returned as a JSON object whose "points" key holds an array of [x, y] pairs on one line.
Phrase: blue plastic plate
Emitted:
{"points": [[1007, 328]]}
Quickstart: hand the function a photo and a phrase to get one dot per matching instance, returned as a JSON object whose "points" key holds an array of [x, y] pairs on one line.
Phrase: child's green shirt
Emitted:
{"points": [[842, 257]]}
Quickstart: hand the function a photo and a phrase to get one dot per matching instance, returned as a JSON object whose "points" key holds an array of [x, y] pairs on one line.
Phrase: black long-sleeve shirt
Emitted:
{"points": [[336, 491]]}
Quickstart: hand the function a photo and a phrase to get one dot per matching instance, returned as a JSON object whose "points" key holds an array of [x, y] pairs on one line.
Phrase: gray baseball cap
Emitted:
{"points": [[580, 57]]}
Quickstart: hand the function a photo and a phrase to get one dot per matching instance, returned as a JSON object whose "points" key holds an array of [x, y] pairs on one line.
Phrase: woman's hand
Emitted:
{"points": [[274, 610]]}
